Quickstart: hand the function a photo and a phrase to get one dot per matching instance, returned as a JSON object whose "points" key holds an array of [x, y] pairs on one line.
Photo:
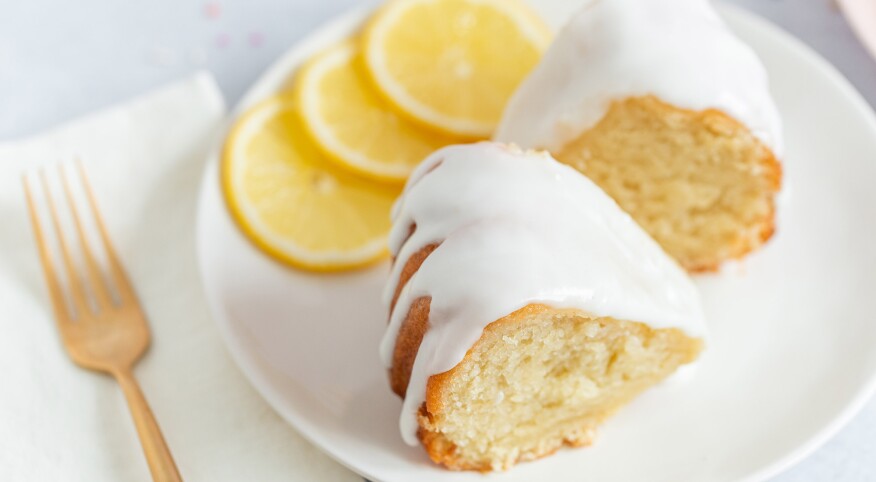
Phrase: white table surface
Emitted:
{"points": [[61, 59]]}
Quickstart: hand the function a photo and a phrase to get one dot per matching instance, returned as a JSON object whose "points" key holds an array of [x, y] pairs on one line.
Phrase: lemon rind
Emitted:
{"points": [[531, 24], [281, 249]]}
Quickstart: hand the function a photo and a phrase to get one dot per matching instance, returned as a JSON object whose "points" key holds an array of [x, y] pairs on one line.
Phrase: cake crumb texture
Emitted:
{"points": [[539, 379], [698, 182]]}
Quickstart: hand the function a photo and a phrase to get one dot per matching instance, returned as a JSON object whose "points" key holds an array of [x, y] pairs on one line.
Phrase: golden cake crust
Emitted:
{"points": [[414, 327], [441, 450], [411, 333], [439, 447]]}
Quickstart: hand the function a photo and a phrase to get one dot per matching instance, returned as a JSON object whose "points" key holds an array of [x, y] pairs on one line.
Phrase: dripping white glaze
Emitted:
{"points": [[517, 228], [679, 51]]}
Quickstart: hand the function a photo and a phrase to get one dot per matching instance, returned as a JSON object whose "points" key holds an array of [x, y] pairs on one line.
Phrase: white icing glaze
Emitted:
{"points": [[679, 51], [517, 228]]}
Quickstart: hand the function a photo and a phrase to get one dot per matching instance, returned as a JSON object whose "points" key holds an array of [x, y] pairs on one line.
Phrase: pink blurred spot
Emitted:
{"points": [[212, 10], [256, 39], [223, 40]]}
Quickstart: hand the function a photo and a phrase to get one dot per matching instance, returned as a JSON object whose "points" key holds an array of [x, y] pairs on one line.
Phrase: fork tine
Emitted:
{"points": [[59, 305], [123, 284], [80, 302], [98, 286]]}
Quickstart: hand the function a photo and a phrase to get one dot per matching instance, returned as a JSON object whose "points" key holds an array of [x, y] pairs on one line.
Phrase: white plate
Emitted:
{"points": [[790, 359]]}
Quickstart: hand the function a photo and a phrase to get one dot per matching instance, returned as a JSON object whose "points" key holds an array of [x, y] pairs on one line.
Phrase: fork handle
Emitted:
{"points": [[157, 453]]}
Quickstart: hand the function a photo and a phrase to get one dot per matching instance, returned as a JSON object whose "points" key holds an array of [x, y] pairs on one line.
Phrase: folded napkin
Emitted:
{"points": [[59, 422]]}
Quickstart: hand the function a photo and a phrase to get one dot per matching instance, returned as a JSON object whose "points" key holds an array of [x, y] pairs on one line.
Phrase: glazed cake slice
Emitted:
{"points": [[525, 307], [665, 109]]}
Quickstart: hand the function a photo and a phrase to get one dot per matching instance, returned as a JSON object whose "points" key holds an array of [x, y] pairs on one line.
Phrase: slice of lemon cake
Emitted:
{"points": [[525, 307], [666, 110]]}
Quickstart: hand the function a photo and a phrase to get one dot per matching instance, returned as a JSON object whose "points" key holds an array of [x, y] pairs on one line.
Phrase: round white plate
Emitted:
{"points": [[790, 359]]}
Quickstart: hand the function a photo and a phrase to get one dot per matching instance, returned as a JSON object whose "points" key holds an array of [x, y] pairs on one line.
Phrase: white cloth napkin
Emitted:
{"points": [[59, 422]]}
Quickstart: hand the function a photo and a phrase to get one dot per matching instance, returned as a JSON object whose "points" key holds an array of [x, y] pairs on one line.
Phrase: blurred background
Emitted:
{"points": [[61, 59]]}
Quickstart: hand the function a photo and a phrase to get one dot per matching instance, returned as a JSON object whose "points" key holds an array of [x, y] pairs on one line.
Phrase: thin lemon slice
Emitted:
{"points": [[453, 64], [293, 202], [353, 124]]}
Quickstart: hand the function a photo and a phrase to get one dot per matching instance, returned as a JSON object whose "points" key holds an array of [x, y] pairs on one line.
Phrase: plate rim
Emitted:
{"points": [[272, 80]]}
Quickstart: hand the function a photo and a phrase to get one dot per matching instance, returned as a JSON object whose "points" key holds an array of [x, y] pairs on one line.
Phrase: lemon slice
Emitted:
{"points": [[293, 202], [353, 124], [453, 64]]}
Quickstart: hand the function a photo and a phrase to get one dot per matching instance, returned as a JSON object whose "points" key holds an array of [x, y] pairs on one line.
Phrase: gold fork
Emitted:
{"points": [[102, 332]]}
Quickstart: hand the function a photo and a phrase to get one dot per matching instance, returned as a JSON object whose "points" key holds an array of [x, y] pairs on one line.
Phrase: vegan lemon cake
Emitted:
{"points": [[664, 108], [525, 307]]}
